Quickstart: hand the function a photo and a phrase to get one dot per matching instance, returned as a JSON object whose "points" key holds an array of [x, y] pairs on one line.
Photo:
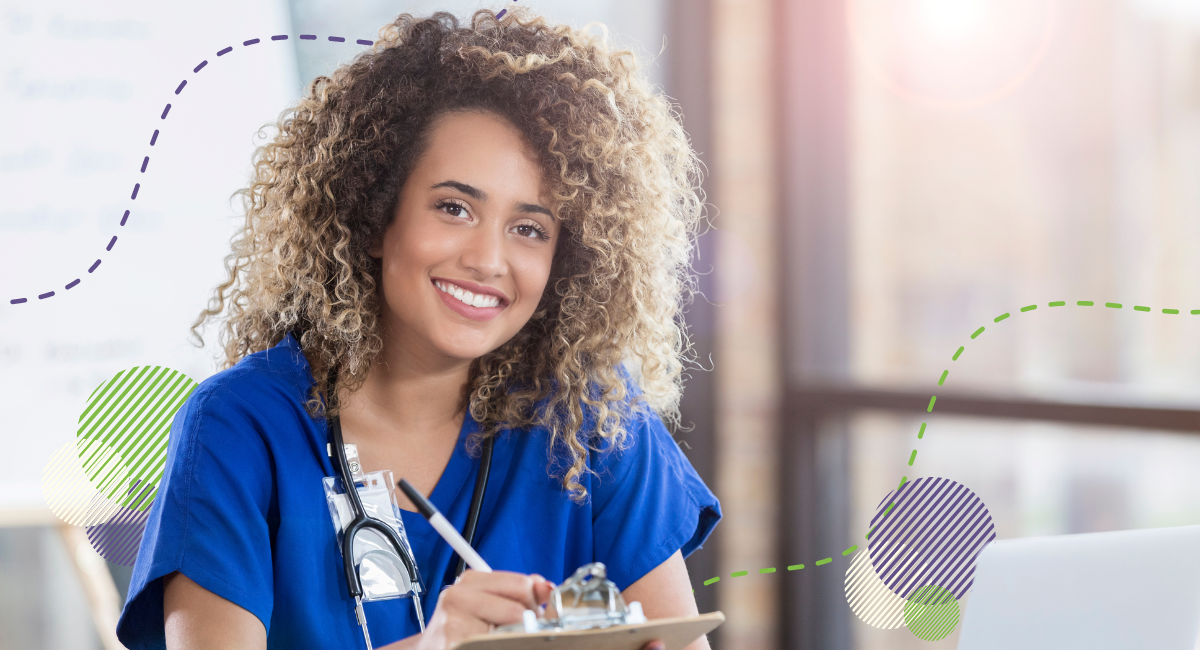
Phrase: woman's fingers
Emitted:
{"points": [[528, 590], [541, 588], [655, 645], [484, 605]]}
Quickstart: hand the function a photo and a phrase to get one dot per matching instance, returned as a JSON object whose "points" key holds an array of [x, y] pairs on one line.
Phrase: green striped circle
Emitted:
{"points": [[931, 613], [129, 417]]}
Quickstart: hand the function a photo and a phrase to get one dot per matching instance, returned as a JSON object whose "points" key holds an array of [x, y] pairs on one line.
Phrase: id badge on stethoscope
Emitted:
{"points": [[383, 573]]}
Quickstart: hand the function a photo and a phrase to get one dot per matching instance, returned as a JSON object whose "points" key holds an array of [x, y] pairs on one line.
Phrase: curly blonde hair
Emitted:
{"points": [[614, 156]]}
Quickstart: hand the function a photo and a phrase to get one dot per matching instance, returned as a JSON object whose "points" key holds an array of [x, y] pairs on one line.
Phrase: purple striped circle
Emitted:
{"points": [[118, 539], [929, 532]]}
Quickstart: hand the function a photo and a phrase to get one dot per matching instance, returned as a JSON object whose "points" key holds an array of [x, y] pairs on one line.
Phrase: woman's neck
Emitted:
{"points": [[409, 396]]}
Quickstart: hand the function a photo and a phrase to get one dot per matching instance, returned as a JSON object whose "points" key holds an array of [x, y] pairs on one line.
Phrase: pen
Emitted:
{"points": [[443, 527]]}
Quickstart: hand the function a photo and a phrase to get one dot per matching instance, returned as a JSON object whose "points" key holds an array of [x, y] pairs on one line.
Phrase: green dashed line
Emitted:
{"points": [[921, 433], [942, 380]]}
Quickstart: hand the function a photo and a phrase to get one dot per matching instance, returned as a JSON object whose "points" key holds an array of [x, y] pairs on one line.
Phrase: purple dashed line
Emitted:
{"points": [[154, 138]]}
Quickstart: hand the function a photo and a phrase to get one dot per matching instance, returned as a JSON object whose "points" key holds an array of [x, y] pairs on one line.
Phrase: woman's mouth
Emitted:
{"points": [[476, 306]]}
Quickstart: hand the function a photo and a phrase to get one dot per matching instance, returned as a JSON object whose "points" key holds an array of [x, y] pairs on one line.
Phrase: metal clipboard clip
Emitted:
{"points": [[585, 601]]}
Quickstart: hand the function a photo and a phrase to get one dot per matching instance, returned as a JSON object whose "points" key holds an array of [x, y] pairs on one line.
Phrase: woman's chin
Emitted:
{"points": [[466, 351]]}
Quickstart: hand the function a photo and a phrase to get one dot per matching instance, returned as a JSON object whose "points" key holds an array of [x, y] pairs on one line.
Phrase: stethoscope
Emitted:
{"points": [[361, 522]]}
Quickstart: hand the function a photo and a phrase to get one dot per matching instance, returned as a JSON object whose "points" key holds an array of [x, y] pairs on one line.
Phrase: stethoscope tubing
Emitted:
{"points": [[361, 520]]}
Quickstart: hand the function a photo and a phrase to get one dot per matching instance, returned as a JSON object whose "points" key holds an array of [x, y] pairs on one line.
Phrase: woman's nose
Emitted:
{"points": [[484, 252]]}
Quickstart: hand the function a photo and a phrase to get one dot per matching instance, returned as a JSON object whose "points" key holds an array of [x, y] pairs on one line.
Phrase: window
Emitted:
{"points": [[951, 166]]}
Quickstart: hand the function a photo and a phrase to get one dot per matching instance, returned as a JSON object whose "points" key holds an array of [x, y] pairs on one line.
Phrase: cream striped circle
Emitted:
{"points": [[69, 492], [869, 598]]}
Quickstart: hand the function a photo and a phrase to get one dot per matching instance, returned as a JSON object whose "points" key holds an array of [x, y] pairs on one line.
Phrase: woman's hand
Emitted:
{"points": [[477, 602]]}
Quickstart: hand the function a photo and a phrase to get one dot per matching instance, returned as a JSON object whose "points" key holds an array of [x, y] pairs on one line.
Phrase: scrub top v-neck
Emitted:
{"points": [[241, 512]]}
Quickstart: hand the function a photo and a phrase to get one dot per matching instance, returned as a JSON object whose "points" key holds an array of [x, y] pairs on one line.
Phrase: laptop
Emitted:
{"points": [[1100, 591]]}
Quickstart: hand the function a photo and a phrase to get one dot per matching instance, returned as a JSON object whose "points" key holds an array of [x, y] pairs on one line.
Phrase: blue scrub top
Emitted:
{"points": [[241, 512]]}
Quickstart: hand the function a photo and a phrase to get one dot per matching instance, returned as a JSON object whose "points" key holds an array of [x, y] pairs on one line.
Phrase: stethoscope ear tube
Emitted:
{"points": [[361, 521], [485, 465]]}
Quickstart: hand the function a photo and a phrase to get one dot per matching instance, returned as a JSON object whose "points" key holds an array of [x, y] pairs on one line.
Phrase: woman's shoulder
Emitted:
{"points": [[269, 380]]}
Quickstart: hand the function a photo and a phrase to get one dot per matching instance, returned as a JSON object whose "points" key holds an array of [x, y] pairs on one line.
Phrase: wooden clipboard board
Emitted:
{"points": [[676, 633]]}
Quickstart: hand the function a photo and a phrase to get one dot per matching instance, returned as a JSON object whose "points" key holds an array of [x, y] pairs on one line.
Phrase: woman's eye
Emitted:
{"points": [[531, 231], [453, 209]]}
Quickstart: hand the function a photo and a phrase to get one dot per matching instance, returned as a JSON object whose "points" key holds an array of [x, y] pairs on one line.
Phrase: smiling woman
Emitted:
{"points": [[468, 237], [481, 246]]}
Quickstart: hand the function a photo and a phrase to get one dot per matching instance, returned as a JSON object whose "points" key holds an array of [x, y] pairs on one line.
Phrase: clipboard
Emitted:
{"points": [[676, 633]]}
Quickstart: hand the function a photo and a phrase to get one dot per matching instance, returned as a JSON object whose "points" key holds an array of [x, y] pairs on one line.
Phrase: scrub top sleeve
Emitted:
{"points": [[209, 520], [647, 501]]}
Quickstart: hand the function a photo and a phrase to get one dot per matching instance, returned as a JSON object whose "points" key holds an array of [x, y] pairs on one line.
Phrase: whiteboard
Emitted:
{"points": [[84, 86]]}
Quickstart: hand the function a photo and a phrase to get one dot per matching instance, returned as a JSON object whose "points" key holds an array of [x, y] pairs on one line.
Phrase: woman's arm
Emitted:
{"points": [[195, 618], [666, 592]]}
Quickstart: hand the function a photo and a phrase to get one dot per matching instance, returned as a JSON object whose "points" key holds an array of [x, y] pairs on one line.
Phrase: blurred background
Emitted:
{"points": [[884, 177]]}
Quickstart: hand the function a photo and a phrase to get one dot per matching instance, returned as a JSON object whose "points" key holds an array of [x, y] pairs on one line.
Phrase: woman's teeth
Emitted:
{"points": [[464, 296]]}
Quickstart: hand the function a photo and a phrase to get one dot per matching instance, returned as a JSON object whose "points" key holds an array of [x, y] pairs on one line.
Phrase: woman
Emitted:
{"points": [[468, 233]]}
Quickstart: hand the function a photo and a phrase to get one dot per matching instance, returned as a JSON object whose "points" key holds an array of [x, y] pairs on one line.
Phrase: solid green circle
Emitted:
{"points": [[931, 613]]}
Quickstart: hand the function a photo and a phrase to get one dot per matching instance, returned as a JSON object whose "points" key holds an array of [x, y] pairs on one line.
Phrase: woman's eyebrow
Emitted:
{"points": [[531, 207], [473, 192], [480, 195]]}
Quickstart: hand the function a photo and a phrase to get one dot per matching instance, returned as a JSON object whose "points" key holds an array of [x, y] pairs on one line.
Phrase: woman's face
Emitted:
{"points": [[469, 249]]}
